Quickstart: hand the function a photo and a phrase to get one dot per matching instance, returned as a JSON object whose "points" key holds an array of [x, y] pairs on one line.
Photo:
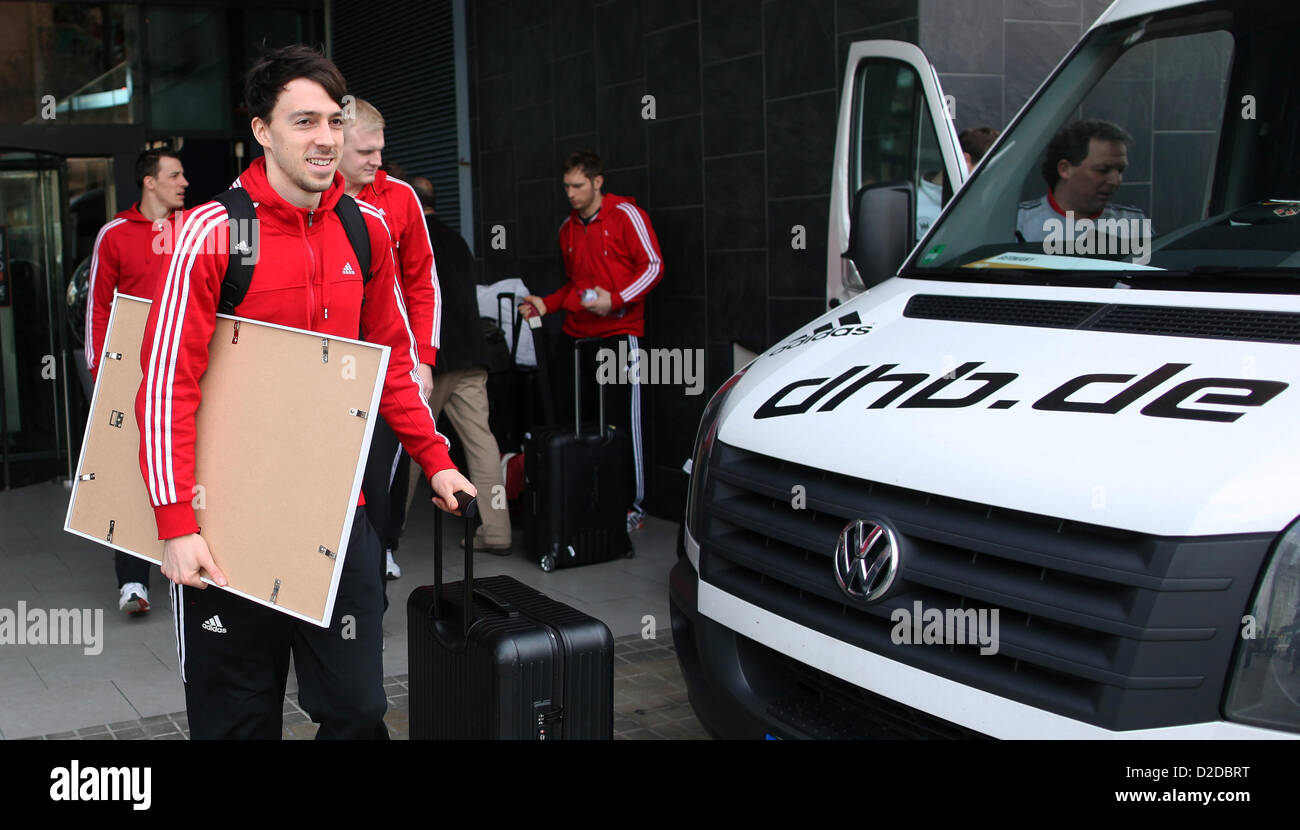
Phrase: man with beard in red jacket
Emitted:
{"points": [[128, 259], [234, 653], [611, 255]]}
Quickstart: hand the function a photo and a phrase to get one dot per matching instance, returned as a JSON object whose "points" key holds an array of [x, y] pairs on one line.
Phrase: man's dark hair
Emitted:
{"points": [[146, 164], [394, 170], [424, 190], [977, 141], [587, 161], [1071, 143], [263, 83]]}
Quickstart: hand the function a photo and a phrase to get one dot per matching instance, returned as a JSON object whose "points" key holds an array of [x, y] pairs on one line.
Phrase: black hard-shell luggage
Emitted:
{"points": [[577, 487], [514, 664]]}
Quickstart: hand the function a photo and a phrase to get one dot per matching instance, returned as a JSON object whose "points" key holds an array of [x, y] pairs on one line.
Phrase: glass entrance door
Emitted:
{"points": [[33, 415]]}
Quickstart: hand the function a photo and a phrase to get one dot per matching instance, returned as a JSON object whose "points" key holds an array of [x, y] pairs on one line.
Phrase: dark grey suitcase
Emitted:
{"points": [[577, 488], [510, 664]]}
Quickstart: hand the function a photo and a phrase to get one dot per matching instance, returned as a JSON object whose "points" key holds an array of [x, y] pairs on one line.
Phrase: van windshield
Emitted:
{"points": [[1164, 150]]}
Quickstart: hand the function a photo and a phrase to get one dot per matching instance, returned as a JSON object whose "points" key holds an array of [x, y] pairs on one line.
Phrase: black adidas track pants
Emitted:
{"points": [[234, 656]]}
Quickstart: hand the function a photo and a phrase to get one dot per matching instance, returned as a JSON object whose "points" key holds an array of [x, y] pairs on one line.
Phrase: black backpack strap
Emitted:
{"points": [[241, 244], [355, 226]]}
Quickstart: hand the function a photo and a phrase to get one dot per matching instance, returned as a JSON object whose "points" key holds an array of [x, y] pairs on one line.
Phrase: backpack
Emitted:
{"points": [[239, 266]]}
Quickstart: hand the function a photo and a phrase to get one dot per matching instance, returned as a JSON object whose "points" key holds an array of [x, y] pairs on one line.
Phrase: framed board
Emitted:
{"points": [[282, 434]]}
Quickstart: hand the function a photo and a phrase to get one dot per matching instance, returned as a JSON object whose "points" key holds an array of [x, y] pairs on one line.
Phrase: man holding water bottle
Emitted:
{"points": [[612, 259]]}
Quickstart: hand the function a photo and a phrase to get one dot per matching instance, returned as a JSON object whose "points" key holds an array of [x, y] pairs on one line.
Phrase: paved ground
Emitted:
{"points": [[131, 689], [649, 703]]}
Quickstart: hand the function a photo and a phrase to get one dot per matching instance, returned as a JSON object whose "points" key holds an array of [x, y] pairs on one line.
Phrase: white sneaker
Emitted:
{"points": [[134, 599], [392, 571]]}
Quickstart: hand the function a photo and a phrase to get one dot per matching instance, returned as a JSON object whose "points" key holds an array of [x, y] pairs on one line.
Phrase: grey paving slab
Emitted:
{"points": [[18, 678], [65, 706], [39, 568], [156, 692], [65, 664], [626, 617]]}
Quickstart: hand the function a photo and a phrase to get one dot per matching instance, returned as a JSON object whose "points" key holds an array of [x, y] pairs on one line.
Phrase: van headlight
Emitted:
{"points": [[1264, 687], [704, 438]]}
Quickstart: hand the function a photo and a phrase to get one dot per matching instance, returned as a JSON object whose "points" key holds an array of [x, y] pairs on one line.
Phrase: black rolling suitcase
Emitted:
{"points": [[577, 488], [514, 664]]}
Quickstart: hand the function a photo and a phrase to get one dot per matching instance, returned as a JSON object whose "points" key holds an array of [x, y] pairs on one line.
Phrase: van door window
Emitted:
{"points": [[894, 138]]}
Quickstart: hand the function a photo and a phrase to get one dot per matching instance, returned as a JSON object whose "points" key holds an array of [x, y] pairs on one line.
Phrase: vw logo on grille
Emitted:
{"points": [[866, 559]]}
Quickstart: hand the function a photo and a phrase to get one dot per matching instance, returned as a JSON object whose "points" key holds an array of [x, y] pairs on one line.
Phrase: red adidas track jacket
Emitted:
{"points": [[416, 271], [128, 258], [618, 251], [305, 277]]}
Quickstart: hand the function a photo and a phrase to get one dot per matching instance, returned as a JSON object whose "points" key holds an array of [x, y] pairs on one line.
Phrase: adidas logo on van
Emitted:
{"points": [[215, 625], [848, 325], [347, 268]]}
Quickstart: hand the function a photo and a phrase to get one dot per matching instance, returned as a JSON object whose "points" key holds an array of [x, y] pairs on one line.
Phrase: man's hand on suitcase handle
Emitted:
{"points": [[185, 558], [532, 305], [448, 488]]}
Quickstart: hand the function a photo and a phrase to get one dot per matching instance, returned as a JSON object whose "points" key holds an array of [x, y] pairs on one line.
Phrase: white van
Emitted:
{"points": [[1033, 482]]}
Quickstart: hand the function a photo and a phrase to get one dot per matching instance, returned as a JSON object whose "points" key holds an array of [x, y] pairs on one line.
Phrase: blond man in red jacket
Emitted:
{"points": [[397, 202], [128, 259]]}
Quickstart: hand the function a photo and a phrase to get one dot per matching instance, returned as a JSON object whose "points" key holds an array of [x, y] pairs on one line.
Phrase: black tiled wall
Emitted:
{"points": [[734, 169], [992, 54]]}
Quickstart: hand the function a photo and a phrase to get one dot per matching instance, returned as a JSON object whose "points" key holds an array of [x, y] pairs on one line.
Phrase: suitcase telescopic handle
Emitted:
{"points": [[577, 390], [468, 507], [540, 353], [505, 295]]}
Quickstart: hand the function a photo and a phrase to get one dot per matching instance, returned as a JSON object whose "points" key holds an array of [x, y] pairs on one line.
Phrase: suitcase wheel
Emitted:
{"points": [[548, 563]]}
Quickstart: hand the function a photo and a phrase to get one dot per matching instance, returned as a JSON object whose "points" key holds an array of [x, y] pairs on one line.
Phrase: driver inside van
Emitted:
{"points": [[1084, 167]]}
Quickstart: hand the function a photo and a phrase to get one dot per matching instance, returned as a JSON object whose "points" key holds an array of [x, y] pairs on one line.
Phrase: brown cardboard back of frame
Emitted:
{"points": [[282, 435]]}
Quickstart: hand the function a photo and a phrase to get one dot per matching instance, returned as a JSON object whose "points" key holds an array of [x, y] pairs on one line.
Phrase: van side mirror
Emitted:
{"points": [[880, 233]]}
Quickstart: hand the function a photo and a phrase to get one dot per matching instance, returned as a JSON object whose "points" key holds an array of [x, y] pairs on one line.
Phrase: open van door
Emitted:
{"points": [[897, 162]]}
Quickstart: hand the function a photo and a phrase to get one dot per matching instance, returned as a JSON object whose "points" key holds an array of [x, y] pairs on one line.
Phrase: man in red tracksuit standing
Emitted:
{"points": [[612, 259], [128, 259], [234, 654], [397, 202]]}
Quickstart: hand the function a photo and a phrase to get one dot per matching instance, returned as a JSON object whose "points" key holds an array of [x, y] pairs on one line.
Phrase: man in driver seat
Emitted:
{"points": [[1084, 166]]}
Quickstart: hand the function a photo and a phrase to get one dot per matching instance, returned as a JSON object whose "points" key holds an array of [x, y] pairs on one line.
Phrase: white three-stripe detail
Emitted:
{"points": [[178, 619], [433, 267], [652, 270], [166, 339], [91, 358]]}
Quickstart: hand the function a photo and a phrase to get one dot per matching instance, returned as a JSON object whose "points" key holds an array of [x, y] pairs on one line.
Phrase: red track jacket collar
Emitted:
{"points": [[370, 192], [608, 202]]}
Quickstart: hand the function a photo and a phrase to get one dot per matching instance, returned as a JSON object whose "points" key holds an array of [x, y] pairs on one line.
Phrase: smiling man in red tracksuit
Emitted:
{"points": [[128, 258], [234, 654], [611, 251]]}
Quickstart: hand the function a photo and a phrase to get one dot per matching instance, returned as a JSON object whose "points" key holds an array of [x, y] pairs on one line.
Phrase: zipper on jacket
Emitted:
{"points": [[324, 287], [311, 272]]}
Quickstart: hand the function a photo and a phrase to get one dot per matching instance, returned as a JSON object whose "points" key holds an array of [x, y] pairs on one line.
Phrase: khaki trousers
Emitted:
{"points": [[463, 396]]}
